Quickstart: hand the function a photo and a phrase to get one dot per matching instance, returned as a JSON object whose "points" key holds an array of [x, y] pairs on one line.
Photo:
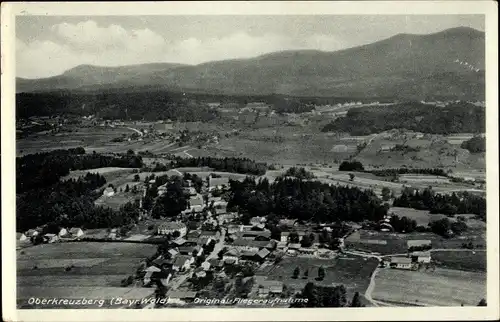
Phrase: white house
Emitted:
{"points": [[76, 232], [109, 192], [50, 238], [401, 262], [32, 233], [21, 237], [421, 257], [172, 226], [231, 257], [62, 232]]}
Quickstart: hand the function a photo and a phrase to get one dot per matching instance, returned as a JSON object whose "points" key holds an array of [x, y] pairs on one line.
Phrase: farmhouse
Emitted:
{"points": [[32, 233], [62, 232], [50, 238], [191, 250], [76, 232], [232, 256], [253, 245], [400, 262], [196, 202], [387, 147], [307, 251], [182, 262], [109, 192], [267, 288], [421, 257], [210, 234], [172, 226], [419, 244], [21, 237]]}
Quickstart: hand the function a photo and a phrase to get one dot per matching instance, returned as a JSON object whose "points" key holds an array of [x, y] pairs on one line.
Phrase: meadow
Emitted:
{"points": [[442, 287], [97, 270]]}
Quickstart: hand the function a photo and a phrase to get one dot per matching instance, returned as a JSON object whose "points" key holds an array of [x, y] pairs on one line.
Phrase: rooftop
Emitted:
{"points": [[417, 243], [400, 260], [172, 225]]}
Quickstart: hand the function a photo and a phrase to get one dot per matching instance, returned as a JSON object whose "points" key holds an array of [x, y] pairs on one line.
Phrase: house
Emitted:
{"points": [[173, 252], [308, 251], [199, 272], [252, 245], [21, 237], [112, 233], [196, 202], [62, 232], [179, 241], [191, 250], [232, 229], [287, 222], [387, 147], [162, 262], [182, 262], [257, 220], [254, 235], [419, 244], [232, 256], [172, 226], [263, 253], [162, 190], [193, 234], [219, 211], [76, 232], [50, 238], [285, 235], [281, 245], [259, 227], [205, 265], [216, 263], [190, 191], [421, 257], [32, 233], [401, 263], [149, 272], [210, 234], [295, 246], [268, 287], [109, 192]]}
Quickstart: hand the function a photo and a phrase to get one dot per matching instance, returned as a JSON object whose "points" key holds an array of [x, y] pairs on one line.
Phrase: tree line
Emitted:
{"points": [[458, 117], [305, 200], [476, 144], [456, 203], [237, 165], [326, 296]]}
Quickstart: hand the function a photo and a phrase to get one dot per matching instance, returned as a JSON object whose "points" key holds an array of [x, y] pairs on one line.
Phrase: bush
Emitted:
{"points": [[351, 166]]}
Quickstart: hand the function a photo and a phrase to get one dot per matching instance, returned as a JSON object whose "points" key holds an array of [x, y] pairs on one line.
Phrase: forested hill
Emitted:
{"points": [[459, 117]]}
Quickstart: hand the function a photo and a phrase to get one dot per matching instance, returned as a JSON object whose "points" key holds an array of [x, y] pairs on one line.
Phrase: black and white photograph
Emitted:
{"points": [[251, 161]]}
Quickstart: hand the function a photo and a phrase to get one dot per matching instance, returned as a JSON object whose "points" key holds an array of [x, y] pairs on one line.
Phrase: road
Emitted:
{"points": [[371, 286], [176, 282]]}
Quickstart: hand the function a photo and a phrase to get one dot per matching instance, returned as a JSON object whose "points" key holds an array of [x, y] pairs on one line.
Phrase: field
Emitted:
{"points": [[467, 260], [97, 272], [443, 287], [352, 271], [397, 243]]}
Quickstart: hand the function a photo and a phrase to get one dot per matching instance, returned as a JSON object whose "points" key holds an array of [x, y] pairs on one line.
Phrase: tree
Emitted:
{"points": [[130, 152], [127, 188], [137, 178], [356, 302], [386, 193], [294, 237], [482, 303], [351, 176], [176, 234], [321, 273], [306, 241], [306, 274], [296, 272], [351, 166]]}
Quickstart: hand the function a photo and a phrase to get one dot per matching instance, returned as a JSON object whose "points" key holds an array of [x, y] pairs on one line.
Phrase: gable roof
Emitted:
{"points": [[263, 253], [251, 243], [400, 260]]}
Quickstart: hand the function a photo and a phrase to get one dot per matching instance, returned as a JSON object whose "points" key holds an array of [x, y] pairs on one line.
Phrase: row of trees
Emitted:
{"points": [[456, 203], [326, 296], [461, 117], [404, 170], [238, 165], [299, 173], [305, 200]]}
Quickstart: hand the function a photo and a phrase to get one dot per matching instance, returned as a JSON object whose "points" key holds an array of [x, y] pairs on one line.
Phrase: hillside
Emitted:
{"points": [[406, 65]]}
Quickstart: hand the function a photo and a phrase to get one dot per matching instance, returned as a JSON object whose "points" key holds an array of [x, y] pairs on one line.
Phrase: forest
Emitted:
{"points": [[476, 144], [456, 203], [40, 170], [458, 117], [70, 203], [237, 165], [305, 200]]}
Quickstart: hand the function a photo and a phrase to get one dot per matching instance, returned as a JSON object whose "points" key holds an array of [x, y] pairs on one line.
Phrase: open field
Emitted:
{"points": [[397, 243], [109, 173], [352, 271], [442, 287], [97, 270], [469, 260]]}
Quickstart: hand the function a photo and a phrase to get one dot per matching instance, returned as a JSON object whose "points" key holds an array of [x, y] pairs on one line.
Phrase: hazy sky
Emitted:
{"points": [[49, 45]]}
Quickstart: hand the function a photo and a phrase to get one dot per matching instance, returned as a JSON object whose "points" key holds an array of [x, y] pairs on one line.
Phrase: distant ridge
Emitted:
{"points": [[405, 65]]}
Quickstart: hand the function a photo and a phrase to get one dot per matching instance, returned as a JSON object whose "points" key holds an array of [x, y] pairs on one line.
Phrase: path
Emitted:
{"points": [[371, 286], [186, 153], [135, 130]]}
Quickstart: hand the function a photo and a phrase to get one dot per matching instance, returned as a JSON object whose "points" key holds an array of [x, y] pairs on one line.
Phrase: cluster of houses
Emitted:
{"points": [[63, 234], [418, 254]]}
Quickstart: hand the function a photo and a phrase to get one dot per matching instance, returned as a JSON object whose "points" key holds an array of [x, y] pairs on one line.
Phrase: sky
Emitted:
{"points": [[49, 45]]}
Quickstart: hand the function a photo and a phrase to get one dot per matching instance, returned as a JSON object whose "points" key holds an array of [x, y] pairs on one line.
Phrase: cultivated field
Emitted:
{"points": [[441, 287], [467, 260], [97, 269]]}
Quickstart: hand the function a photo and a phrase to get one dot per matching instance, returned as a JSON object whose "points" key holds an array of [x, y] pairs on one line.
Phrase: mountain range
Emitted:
{"points": [[449, 63]]}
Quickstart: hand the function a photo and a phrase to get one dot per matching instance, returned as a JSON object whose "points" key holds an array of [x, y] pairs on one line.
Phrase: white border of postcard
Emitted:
{"points": [[10, 10]]}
